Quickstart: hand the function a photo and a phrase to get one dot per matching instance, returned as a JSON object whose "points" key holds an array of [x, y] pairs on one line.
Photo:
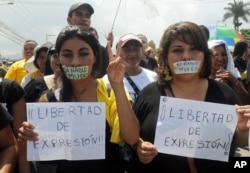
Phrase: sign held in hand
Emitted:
{"points": [[195, 129], [67, 130]]}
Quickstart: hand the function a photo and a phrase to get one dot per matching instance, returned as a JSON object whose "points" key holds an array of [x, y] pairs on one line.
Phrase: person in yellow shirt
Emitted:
{"points": [[3, 69], [16, 71], [36, 64], [4, 66]]}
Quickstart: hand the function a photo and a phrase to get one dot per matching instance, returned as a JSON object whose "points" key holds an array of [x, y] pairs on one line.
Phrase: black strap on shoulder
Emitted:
{"points": [[131, 82], [108, 89], [51, 96]]}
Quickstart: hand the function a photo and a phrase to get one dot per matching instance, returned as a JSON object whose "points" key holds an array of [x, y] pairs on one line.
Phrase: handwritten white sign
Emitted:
{"points": [[195, 129], [71, 131]]}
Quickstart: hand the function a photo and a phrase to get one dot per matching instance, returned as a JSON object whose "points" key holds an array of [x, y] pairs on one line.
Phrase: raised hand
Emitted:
{"points": [[110, 38], [116, 69]]}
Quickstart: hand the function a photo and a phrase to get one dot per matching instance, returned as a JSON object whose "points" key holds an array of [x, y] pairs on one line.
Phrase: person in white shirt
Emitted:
{"points": [[136, 77]]}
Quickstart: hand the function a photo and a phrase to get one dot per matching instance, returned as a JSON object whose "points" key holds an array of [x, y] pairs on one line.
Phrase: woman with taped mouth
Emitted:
{"points": [[79, 55], [186, 61]]}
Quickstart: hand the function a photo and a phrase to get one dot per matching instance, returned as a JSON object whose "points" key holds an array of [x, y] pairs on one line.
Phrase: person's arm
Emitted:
{"points": [[129, 124], [8, 144], [108, 47], [18, 110], [110, 38], [242, 131], [237, 85], [240, 90], [241, 138], [8, 150], [25, 133]]}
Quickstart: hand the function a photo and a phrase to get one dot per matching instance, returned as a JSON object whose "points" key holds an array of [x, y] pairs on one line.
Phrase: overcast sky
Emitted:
{"points": [[41, 20]]}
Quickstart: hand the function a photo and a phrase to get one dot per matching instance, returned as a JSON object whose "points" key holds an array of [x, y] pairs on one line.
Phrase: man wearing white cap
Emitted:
{"points": [[136, 77]]}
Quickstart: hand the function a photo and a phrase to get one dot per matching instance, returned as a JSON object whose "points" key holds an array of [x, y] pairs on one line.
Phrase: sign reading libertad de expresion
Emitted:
{"points": [[195, 129], [68, 130]]}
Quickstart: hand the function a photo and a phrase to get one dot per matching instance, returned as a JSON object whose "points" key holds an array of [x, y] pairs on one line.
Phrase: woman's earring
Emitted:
{"points": [[166, 73]]}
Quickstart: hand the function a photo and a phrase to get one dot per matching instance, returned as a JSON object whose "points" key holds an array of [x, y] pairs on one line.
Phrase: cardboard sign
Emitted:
{"points": [[67, 130], [195, 129]]}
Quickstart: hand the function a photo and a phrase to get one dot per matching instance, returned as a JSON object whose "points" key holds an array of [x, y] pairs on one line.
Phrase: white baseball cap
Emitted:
{"points": [[128, 37]]}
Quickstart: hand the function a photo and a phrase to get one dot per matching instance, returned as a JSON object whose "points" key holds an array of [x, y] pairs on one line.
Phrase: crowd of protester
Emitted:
{"points": [[132, 82]]}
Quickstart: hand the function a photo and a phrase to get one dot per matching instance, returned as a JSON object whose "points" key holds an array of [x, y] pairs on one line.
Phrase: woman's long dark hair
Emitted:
{"points": [[239, 49], [48, 70], [70, 32]]}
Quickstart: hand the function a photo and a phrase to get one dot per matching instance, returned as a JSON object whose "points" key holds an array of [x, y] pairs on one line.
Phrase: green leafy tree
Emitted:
{"points": [[236, 10], [246, 33]]}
